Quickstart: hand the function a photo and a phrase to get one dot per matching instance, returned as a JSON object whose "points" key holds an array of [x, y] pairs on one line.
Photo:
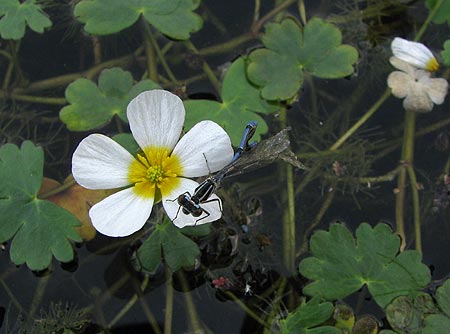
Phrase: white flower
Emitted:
{"points": [[416, 54], [416, 86], [158, 172]]}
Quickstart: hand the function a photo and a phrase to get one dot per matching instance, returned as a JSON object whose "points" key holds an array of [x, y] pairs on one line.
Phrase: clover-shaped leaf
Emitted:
{"points": [[445, 54], [91, 106], [442, 14], [241, 103], [440, 323], [174, 18], [14, 16], [39, 227], [339, 266], [307, 317], [278, 68], [179, 250]]}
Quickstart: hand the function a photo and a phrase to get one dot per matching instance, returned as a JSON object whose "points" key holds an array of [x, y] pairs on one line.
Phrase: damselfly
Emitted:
{"points": [[247, 157], [190, 204]]}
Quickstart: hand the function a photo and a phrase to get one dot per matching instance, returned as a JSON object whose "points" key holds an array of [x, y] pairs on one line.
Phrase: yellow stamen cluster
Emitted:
{"points": [[154, 172]]}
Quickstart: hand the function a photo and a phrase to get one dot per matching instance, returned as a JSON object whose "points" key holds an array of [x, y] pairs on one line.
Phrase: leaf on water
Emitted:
{"points": [[341, 265], [39, 228], [278, 68], [241, 103], [171, 244], [16, 15], [78, 201], [307, 319], [91, 106], [174, 18]]}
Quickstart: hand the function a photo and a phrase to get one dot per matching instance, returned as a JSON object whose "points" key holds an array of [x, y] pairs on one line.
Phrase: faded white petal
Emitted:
{"points": [[436, 88], [402, 65], [156, 118], [418, 100], [101, 163], [204, 149], [399, 83], [121, 214], [212, 208], [414, 53]]}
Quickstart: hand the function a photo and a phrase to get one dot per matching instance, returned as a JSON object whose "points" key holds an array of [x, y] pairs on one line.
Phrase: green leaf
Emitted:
{"points": [[307, 317], [441, 15], [91, 106], [241, 103], [170, 243], [340, 266], [174, 18], [40, 228], [278, 68], [436, 324], [14, 16], [443, 297], [445, 54]]}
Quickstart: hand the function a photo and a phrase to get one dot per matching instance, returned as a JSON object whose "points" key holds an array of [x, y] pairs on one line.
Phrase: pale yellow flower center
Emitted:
{"points": [[155, 173], [432, 65]]}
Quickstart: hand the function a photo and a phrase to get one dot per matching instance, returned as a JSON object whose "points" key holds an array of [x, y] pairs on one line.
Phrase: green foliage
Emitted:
{"points": [[40, 228], [174, 18], [179, 250], [278, 67], [308, 317], [91, 106], [441, 15], [420, 315], [445, 54], [14, 16], [340, 266], [241, 101]]}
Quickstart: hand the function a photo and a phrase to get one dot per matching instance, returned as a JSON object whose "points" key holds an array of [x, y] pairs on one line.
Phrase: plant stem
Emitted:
{"points": [[362, 120], [208, 71], [192, 312], [431, 14], [168, 315], [406, 159], [152, 67]]}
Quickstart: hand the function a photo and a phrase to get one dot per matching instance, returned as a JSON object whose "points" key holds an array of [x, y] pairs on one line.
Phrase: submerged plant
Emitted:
{"points": [[159, 171]]}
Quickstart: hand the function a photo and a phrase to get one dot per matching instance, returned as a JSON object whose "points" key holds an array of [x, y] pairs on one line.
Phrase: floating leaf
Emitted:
{"points": [[241, 103], [14, 16], [278, 68], [445, 54], [174, 18], [78, 201], [440, 323], [91, 106], [179, 250], [307, 317], [40, 228], [340, 266], [441, 15]]}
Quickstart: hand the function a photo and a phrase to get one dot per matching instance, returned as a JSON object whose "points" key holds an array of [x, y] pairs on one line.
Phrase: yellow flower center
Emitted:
{"points": [[154, 172], [432, 65]]}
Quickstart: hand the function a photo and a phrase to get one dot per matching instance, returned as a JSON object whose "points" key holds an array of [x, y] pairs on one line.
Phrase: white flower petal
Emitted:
{"points": [[414, 53], [436, 88], [204, 149], [212, 209], [418, 100], [121, 214], [399, 83], [101, 163], [156, 118]]}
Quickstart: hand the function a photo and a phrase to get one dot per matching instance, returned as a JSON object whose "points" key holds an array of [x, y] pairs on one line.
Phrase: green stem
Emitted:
{"points": [[168, 314], [162, 59], [152, 67], [130, 303], [431, 14], [69, 183], [361, 121], [274, 307], [40, 290], [192, 312], [247, 310], [229, 45], [208, 71], [416, 207]]}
